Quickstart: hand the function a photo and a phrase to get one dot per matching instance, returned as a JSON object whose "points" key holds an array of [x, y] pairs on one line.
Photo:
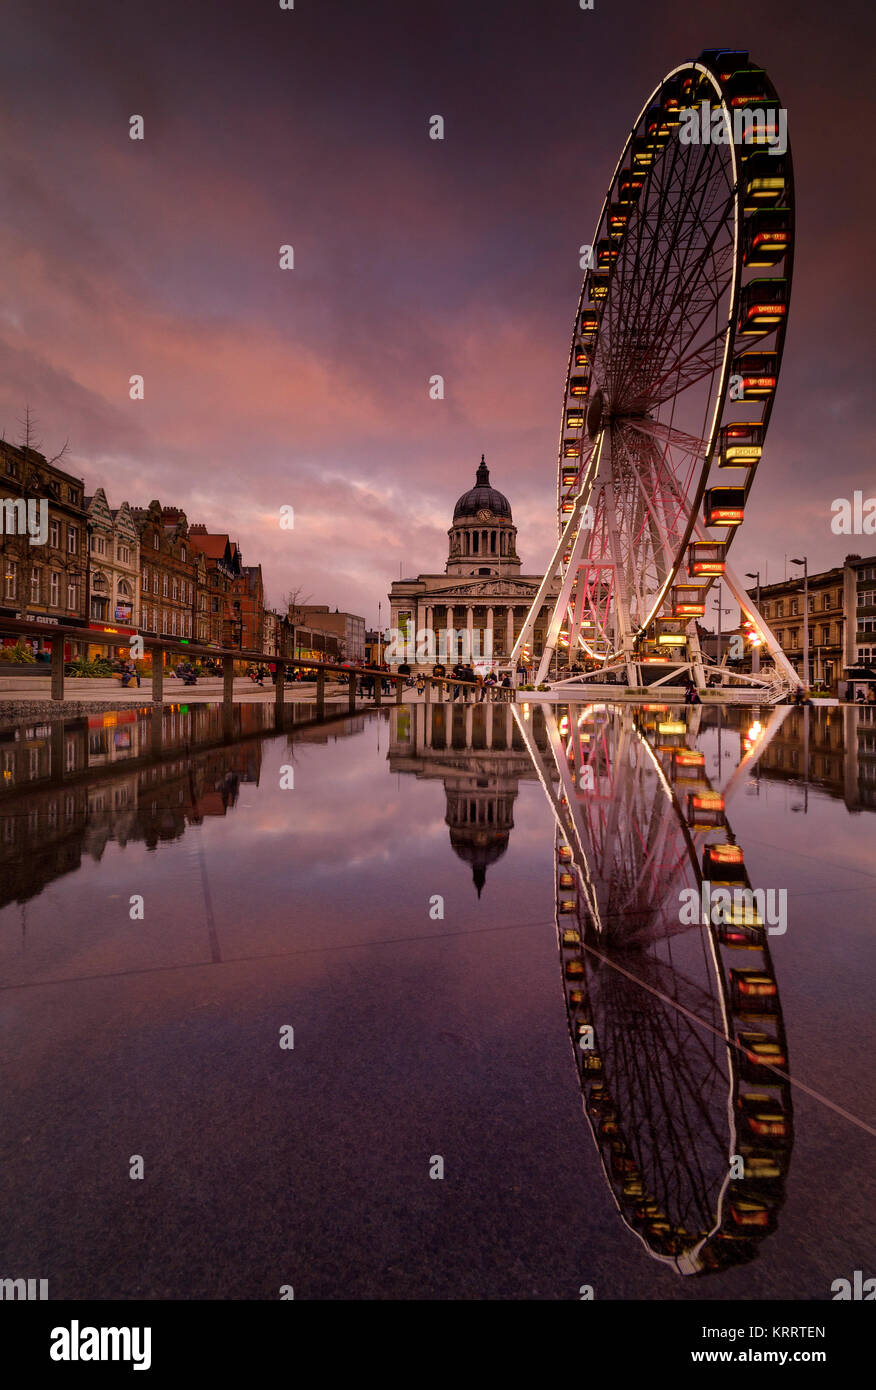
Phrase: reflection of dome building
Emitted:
{"points": [[480, 818], [479, 755], [482, 589]]}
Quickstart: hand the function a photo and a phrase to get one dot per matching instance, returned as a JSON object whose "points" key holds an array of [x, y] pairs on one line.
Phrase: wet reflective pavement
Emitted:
{"points": [[289, 879]]}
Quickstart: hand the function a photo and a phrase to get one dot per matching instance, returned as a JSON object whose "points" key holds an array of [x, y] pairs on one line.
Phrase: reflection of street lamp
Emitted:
{"points": [[804, 563], [755, 648]]}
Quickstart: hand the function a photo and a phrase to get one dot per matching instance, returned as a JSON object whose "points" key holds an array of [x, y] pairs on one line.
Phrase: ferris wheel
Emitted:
{"points": [[672, 374]]}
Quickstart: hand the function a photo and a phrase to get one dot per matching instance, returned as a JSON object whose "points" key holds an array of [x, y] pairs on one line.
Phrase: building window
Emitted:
{"points": [[72, 540], [173, 622], [811, 603], [155, 581], [780, 608], [145, 581], [124, 555], [10, 570], [183, 553], [54, 589], [55, 534], [71, 594], [175, 593], [794, 609], [825, 634], [164, 586], [155, 540]]}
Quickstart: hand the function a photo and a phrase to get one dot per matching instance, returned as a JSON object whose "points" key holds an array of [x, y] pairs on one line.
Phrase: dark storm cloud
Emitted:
{"points": [[412, 257]]}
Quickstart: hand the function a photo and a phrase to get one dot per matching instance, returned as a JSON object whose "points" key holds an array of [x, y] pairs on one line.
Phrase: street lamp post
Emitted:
{"points": [[805, 564], [755, 651], [720, 611]]}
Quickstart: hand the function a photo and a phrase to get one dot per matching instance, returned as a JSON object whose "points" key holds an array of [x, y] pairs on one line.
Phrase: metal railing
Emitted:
{"points": [[356, 676]]}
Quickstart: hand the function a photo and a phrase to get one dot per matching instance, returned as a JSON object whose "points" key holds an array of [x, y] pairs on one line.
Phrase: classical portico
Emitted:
{"points": [[482, 592]]}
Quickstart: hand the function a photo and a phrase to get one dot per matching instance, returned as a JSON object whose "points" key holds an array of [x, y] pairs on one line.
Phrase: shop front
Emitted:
{"points": [[41, 646], [120, 629]]}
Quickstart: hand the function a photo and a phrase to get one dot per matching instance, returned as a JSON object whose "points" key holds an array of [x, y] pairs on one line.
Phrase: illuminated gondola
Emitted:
{"points": [[763, 305], [767, 237], [764, 181], [740, 444], [705, 558], [757, 373], [724, 506]]}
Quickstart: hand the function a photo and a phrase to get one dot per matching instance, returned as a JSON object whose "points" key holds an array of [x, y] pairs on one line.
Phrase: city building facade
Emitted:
{"points": [[45, 582], [842, 621], [113, 572], [348, 628], [167, 572]]}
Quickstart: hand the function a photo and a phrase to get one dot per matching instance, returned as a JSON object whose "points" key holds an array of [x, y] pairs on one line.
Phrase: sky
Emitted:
{"points": [[309, 388]]}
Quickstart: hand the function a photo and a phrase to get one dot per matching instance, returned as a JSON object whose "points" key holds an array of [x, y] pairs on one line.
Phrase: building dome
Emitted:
{"points": [[482, 497]]}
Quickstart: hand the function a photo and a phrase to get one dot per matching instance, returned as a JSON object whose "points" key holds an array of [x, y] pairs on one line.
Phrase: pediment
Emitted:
{"points": [[484, 588]]}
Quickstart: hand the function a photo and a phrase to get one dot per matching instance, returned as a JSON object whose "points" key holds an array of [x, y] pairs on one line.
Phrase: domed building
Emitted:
{"points": [[482, 590]]}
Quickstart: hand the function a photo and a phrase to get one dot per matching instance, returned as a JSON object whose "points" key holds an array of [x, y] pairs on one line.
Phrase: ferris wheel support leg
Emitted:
{"points": [[581, 542], [525, 635], [746, 603], [625, 627]]}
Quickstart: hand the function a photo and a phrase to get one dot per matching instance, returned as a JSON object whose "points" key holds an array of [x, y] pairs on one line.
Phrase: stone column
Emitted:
{"points": [[430, 619], [489, 723], [469, 712], [509, 630], [469, 623], [448, 627], [488, 635]]}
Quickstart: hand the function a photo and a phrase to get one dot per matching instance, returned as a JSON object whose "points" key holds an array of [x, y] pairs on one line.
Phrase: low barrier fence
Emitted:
{"points": [[369, 681]]}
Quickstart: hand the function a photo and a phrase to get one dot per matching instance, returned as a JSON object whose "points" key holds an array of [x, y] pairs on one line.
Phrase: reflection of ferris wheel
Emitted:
{"points": [[678, 1033], [673, 370]]}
